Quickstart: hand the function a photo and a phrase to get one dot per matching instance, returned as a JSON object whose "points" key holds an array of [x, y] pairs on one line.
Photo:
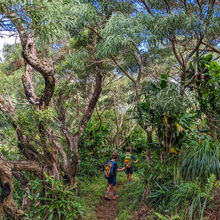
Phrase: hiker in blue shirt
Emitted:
{"points": [[128, 161], [112, 177]]}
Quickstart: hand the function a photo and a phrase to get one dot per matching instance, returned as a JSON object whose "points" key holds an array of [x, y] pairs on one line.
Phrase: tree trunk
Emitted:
{"points": [[26, 202], [74, 147], [211, 123], [7, 202], [149, 135], [74, 160], [73, 139], [148, 157]]}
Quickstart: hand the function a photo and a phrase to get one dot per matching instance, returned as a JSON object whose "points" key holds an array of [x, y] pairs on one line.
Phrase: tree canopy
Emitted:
{"points": [[88, 78]]}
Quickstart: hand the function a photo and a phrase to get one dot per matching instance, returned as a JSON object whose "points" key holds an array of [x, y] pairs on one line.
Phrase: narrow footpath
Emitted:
{"points": [[108, 209]]}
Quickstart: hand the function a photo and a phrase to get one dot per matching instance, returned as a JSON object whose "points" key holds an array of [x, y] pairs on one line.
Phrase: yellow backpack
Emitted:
{"points": [[128, 161]]}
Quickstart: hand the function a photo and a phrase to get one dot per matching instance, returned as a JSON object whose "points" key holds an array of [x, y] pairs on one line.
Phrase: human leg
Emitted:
{"points": [[127, 171], [108, 191], [129, 174], [114, 192], [110, 183], [114, 187], [108, 188], [129, 177]]}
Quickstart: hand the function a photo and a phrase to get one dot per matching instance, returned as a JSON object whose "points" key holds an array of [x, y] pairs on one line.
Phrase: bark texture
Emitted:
{"points": [[71, 166], [6, 181]]}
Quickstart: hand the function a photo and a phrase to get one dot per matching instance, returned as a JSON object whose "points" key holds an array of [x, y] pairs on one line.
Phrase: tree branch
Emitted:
{"points": [[140, 63], [77, 111], [96, 32], [62, 119], [194, 50], [123, 70], [28, 85], [167, 5], [26, 165], [172, 40], [129, 133], [214, 49], [147, 8], [45, 67], [92, 103]]}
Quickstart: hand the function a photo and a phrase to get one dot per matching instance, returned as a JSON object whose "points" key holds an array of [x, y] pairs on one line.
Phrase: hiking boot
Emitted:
{"points": [[107, 197], [114, 197]]}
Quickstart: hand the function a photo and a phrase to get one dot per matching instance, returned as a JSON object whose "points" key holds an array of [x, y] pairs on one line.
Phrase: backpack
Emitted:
{"points": [[128, 161], [109, 169]]}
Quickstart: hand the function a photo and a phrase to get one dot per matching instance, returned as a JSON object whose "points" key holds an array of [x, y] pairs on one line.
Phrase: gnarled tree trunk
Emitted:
{"points": [[6, 182]]}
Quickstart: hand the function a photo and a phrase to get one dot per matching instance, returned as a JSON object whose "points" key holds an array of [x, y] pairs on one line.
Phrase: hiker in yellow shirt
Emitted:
{"points": [[128, 162]]}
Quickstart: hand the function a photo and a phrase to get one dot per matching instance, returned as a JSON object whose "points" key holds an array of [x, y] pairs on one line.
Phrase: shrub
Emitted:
{"points": [[200, 160], [59, 202], [189, 199]]}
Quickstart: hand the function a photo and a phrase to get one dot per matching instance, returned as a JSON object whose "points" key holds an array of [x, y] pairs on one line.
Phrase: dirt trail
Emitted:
{"points": [[108, 209]]}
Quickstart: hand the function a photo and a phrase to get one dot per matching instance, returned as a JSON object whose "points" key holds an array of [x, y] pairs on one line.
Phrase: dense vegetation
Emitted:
{"points": [[90, 77]]}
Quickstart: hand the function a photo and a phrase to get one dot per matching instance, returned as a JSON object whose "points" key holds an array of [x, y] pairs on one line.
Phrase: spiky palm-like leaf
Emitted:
{"points": [[201, 160]]}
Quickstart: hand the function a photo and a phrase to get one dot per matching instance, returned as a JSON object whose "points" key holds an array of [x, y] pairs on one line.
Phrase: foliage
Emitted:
{"points": [[207, 83], [91, 189], [119, 33], [168, 101], [192, 196], [200, 159], [131, 195], [59, 202], [11, 53], [182, 20], [7, 138], [207, 88], [10, 83], [168, 112], [165, 218], [171, 194], [137, 140], [116, 37], [94, 149]]}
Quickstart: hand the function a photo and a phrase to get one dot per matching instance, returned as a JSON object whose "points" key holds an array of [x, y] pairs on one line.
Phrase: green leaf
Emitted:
{"points": [[163, 81], [50, 217]]}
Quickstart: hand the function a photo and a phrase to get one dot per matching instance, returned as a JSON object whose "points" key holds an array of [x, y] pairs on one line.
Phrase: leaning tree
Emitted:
{"points": [[57, 113]]}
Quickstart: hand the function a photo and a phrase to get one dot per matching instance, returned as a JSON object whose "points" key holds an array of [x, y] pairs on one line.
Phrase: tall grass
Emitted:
{"points": [[188, 200], [200, 160]]}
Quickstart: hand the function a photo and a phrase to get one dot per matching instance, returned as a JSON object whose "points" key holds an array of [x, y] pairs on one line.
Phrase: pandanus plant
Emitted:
{"points": [[168, 112]]}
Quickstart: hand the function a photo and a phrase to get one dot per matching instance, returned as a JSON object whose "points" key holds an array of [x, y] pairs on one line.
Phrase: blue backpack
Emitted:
{"points": [[109, 169]]}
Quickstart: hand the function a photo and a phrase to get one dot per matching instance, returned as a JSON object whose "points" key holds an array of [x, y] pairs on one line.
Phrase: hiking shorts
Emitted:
{"points": [[112, 180], [129, 170]]}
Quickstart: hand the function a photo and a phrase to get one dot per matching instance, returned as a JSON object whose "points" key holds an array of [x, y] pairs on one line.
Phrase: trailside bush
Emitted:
{"points": [[200, 159], [183, 184], [60, 201], [188, 199], [94, 149], [137, 140]]}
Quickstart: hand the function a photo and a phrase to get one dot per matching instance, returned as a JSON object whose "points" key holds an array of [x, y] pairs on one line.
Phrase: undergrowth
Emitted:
{"points": [[130, 196], [92, 190]]}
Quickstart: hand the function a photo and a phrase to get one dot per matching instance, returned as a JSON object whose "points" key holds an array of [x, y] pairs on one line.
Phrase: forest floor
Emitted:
{"points": [[108, 209], [214, 212], [126, 206], [123, 206]]}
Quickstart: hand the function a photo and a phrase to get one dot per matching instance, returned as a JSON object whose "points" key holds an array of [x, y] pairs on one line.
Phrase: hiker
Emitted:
{"points": [[111, 170], [128, 161]]}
